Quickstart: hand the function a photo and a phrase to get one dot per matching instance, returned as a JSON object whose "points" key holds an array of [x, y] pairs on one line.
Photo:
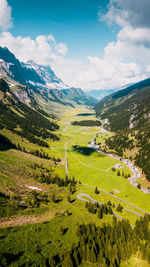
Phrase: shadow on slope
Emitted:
{"points": [[5, 143], [87, 151]]}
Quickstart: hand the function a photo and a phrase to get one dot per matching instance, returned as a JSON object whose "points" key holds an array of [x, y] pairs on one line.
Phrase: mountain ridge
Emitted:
{"points": [[41, 80]]}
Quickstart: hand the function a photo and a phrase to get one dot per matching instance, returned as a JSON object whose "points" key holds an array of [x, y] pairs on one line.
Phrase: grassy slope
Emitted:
{"points": [[16, 172], [97, 170]]}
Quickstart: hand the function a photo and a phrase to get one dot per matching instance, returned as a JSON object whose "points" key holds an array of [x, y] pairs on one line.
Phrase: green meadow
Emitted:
{"points": [[38, 230]]}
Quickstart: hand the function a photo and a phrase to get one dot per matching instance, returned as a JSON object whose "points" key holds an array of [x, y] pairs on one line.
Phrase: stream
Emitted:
{"points": [[128, 163]]}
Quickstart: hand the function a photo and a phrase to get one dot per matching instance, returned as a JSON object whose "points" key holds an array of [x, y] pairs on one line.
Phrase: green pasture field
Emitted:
{"points": [[35, 242]]}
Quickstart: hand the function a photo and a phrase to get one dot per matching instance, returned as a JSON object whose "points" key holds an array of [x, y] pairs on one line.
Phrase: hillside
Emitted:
{"points": [[45, 216], [46, 167], [128, 112], [127, 102], [22, 120]]}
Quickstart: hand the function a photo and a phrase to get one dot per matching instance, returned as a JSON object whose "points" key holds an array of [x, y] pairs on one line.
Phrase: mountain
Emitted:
{"points": [[49, 78], [41, 81], [29, 73], [11, 66], [120, 106], [100, 94], [23, 120], [128, 114]]}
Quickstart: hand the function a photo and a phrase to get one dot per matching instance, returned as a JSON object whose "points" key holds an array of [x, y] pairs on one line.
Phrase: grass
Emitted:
{"points": [[135, 261], [97, 172], [93, 169], [34, 243], [28, 240]]}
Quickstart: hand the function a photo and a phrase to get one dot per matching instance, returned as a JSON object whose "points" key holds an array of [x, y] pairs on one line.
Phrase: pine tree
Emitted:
{"points": [[96, 190], [119, 207], [110, 210], [53, 198], [69, 198], [100, 213], [109, 203], [93, 255], [76, 259], [118, 173], [68, 261]]}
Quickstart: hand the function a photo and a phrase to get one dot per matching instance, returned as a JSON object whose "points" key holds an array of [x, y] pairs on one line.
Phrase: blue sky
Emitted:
{"points": [[91, 44], [74, 22]]}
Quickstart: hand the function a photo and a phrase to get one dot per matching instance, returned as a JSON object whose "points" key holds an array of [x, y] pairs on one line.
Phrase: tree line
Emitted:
{"points": [[108, 245], [38, 153], [99, 209], [89, 123]]}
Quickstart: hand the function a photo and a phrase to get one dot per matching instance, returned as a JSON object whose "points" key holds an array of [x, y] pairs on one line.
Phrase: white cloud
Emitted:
{"points": [[127, 59], [108, 72], [128, 12], [43, 50], [124, 61], [98, 73], [61, 48], [137, 36], [5, 15]]}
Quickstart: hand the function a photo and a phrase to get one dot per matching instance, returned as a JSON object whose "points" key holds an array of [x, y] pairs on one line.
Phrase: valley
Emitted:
{"points": [[74, 133], [61, 207], [66, 174]]}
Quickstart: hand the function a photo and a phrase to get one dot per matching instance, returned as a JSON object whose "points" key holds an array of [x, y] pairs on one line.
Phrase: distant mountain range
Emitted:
{"points": [[100, 94], [40, 82]]}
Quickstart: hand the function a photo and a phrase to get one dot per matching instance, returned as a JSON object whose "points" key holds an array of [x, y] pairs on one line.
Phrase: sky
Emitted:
{"points": [[91, 44]]}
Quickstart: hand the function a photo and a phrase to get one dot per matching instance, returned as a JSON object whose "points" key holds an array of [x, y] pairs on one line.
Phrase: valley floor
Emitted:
{"points": [[42, 226]]}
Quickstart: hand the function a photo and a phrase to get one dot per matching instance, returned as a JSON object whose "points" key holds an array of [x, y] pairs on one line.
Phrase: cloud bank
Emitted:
{"points": [[43, 50], [124, 61], [5, 15]]}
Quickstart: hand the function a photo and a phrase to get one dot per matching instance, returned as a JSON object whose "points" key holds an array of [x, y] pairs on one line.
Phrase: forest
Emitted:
{"points": [[89, 123], [25, 121], [110, 244]]}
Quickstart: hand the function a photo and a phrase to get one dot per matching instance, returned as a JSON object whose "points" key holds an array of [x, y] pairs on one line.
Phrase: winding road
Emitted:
{"points": [[144, 211], [80, 196]]}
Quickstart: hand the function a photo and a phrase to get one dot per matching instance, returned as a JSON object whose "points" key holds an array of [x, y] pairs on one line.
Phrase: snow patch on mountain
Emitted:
{"points": [[50, 80]]}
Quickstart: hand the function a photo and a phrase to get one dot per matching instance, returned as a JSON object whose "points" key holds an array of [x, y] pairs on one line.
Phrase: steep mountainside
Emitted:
{"points": [[24, 121], [41, 80], [128, 114], [127, 108], [49, 78]]}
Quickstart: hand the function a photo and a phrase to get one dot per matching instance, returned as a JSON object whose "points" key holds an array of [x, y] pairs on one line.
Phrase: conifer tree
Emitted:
{"points": [[96, 190]]}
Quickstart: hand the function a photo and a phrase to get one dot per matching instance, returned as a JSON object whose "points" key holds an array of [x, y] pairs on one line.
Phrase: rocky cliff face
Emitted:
{"points": [[22, 95]]}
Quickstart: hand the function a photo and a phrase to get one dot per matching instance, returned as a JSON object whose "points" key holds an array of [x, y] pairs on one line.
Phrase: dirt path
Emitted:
{"points": [[22, 220]]}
